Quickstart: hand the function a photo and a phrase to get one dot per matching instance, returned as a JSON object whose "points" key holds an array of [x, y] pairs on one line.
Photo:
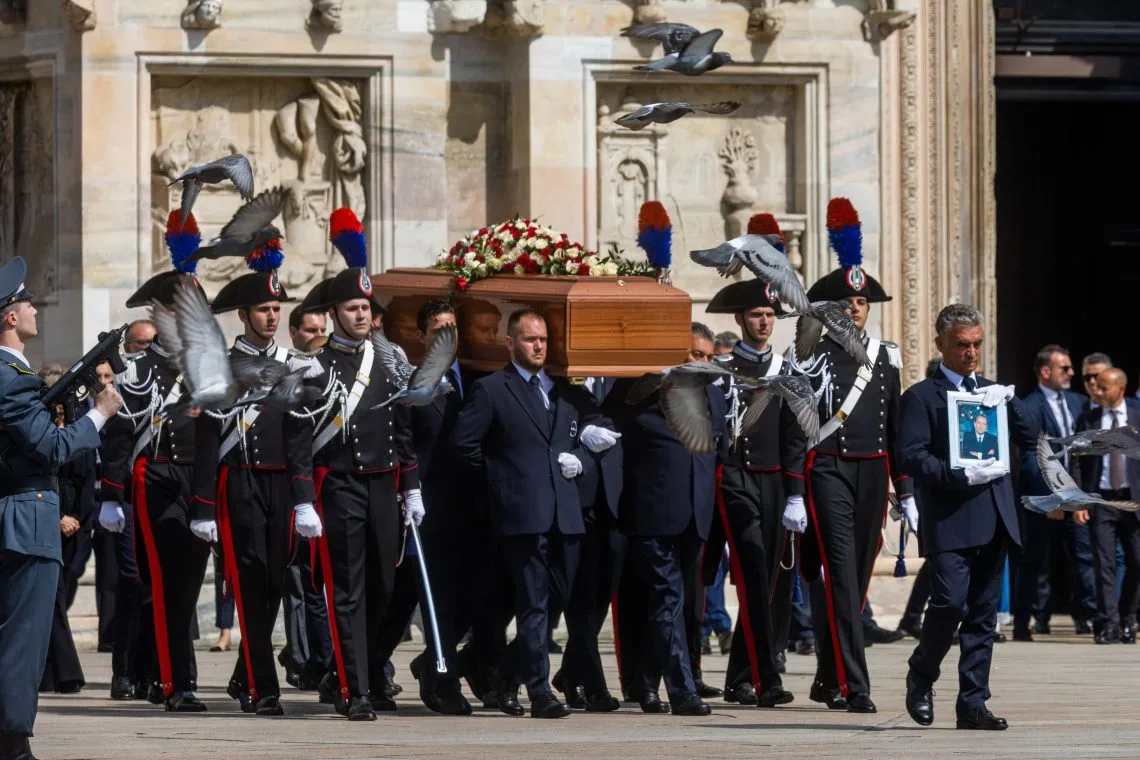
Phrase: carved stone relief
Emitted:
{"points": [[649, 12], [326, 16], [711, 172], [884, 18], [27, 185], [455, 16], [514, 18], [303, 134], [202, 14], [13, 11], [80, 14]]}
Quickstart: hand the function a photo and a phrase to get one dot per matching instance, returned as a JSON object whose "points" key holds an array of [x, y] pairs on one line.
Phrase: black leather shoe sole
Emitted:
{"points": [[741, 696], [992, 724], [776, 696], [705, 691], [655, 707], [861, 703], [834, 700]]}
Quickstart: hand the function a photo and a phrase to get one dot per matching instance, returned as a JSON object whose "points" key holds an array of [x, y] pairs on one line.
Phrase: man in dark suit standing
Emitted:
{"points": [[1115, 478], [523, 429], [966, 517], [981, 444], [1055, 409]]}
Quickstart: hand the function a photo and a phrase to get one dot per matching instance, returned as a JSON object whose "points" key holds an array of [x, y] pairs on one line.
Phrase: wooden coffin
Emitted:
{"points": [[598, 326]]}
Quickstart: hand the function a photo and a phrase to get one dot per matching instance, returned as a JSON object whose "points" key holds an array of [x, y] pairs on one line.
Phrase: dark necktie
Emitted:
{"points": [[1066, 421], [544, 402], [1117, 479], [453, 378], [599, 390], [970, 384]]}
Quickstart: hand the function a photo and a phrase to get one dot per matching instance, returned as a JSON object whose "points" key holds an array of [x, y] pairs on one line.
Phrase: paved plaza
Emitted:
{"points": [[1063, 696]]}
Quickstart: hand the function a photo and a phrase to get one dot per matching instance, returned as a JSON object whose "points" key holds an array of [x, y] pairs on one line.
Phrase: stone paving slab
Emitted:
{"points": [[1064, 697]]}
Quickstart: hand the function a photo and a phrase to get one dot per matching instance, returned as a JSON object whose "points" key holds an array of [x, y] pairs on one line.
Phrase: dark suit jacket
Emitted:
{"points": [[986, 449], [1089, 469], [600, 486], [666, 486], [503, 429], [954, 515], [1029, 481]]}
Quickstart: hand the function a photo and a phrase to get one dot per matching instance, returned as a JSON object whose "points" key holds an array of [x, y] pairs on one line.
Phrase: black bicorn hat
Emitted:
{"points": [[248, 291], [845, 233], [161, 288], [741, 296], [12, 277], [316, 299]]}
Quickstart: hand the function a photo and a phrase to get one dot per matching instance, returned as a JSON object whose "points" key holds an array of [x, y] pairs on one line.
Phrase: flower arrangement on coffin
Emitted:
{"points": [[523, 246]]}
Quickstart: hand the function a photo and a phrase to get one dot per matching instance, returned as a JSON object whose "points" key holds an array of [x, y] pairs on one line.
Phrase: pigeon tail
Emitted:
{"points": [[655, 234], [347, 236], [845, 232], [183, 240], [1042, 504]]}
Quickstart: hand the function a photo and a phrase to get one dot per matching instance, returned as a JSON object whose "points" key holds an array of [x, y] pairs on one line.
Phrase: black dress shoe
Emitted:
{"points": [[328, 690], [1110, 634], [509, 702], [691, 704], [705, 691], [1022, 634], [805, 646], [357, 708], [781, 662], [469, 669], [575, 696], [876, 634], [774, 696], [154, 695], [741, 693], [724, 641], [121, 688], [142, 691], [833, 698], [185, 702], [601, 701], [999, 638], [270, 705], [706, 647], [236, 691], [293, 678], [861, 703], [15, 747], [391, 688], [1083, 628], [490, 700], [912, 628], [981, 719], [651, 703], [546, 706], [453, 704], [381, 702], [919, 702], [1043, 628], [1127, 634]]}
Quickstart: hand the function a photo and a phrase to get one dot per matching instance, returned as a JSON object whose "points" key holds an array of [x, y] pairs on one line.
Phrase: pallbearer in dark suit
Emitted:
{"points": [[762, 472], [522, 428], [849, 473], [244, 482], [361, 458], [968, 516], [1115, 478], [32, 447]]}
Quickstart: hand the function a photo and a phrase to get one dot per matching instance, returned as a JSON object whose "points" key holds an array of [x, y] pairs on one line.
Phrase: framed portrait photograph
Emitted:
{"points": [[976, 433]]}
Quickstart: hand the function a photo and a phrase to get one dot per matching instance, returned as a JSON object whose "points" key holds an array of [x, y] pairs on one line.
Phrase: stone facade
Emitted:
{"points": [[433, 117]]}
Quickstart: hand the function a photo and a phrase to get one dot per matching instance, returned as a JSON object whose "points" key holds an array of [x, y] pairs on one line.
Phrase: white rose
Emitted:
{"points": [[610, 268], [590, 261], [557, 255], [481, 270], [597, 270], [495, 264], [469, 257], [519, 269], [541, 242]]}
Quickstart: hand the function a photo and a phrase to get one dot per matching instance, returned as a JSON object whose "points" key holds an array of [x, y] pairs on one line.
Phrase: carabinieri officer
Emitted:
{"points": [[32, 447]]}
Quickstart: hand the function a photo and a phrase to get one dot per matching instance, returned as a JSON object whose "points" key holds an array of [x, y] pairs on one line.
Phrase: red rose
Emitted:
{"points": [[584, 269], [461, 283]]}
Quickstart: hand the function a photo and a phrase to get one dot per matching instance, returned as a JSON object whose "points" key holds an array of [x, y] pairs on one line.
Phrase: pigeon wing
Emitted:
{"points": [[644, 386], [438, 359], [808, 332], [236, 167], [399, 370], [842, 328], [167, 326], [673, 36], [800, 398], [756, 406], [205, 356], [703, 45], [768, 264], [255, 215], [1053, 472], [721, 107], [636, 119], [257, 373], [723, 258], [686, 412]]}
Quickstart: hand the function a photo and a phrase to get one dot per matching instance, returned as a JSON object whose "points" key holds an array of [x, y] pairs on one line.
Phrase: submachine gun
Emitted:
{"points": [[81, 380]]}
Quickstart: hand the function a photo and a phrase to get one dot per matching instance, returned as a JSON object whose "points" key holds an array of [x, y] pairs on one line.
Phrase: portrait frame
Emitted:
{"points": [[962, 412]]}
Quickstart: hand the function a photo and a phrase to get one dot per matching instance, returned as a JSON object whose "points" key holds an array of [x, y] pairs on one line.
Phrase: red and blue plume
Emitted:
{"points": [[766, 224], [267, 258], [183, 241], [845, 232], [347, 235], [655, 234]]}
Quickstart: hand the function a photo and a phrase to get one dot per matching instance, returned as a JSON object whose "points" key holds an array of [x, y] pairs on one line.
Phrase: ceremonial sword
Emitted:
{"points": [[440, 663]]}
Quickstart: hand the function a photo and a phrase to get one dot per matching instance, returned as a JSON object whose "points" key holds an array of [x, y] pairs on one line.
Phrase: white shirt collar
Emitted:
{"points": [[23, 359], [526, 375], [1121, 408], [954, 377], [1051, 394]]}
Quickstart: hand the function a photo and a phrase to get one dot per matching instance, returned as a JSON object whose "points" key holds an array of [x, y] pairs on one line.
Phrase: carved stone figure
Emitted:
{"points": [[649, 12], [202, 14], [765, 24], [455, 16], [326, 16], [739, 159], [514, 18], [80, 14], [13, 11], [884, 18]]}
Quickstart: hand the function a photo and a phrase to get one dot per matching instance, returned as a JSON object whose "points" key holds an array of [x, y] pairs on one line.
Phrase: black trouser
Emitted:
{"points": [[62, 667], [1108, 526], [359, 548], [847, 501], [658, 639], [965, 588], [174, 566], [254, 526], [543, 568], [106, 582], [1039, 536], [401, 609], [750, 505], [308, 643], [602, 558]]}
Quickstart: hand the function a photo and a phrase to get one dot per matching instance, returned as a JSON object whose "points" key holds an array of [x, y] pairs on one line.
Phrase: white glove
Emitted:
{"points": [[992, 395], [910, 513], [598, 439], [111, 517], [306, 521], [413, 507], [795, 516], [207, 530], [571, 466], [978, 473]]}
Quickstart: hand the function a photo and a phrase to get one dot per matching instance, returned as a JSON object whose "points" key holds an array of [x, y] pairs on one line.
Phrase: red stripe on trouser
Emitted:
{"points": [[617, 636], [330, 591], [157, 590], [738, 579], [232, 577], [840, 670]]}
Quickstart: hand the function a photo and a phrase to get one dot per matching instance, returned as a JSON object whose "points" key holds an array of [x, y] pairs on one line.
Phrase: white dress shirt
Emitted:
{"points": [[94, 415], [1121, 412], [545, 384], [1059, 407], [955, 378]]}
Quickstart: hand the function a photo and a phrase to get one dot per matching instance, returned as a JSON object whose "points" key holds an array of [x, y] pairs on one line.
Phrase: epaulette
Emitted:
{"points": [[894, 355], [20, 369]]}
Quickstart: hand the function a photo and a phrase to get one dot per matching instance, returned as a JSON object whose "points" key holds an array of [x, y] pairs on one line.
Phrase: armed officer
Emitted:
{"points": [[763, 471], [32, 447], [244, 479]]}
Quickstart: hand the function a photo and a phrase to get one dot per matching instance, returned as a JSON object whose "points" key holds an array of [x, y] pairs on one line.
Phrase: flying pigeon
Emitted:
{"points": [[198, 348], [1064, 492], [1124, 440], [249, 230], [832, 315], [799, 395], [418, 386], [275, 384], [763, 257], [688, 51], [666, 113], [235, 168]]}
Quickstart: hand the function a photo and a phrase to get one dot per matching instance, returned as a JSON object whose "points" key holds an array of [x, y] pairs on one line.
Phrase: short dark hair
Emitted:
{"points": [[519, 316], [430, 309], [1097, 357], [296, 317], [701, 330], [1045, 356], [728, 339]]}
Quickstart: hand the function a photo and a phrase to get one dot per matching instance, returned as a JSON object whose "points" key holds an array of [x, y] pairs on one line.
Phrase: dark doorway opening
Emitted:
{"points": [[1068, 232]]}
